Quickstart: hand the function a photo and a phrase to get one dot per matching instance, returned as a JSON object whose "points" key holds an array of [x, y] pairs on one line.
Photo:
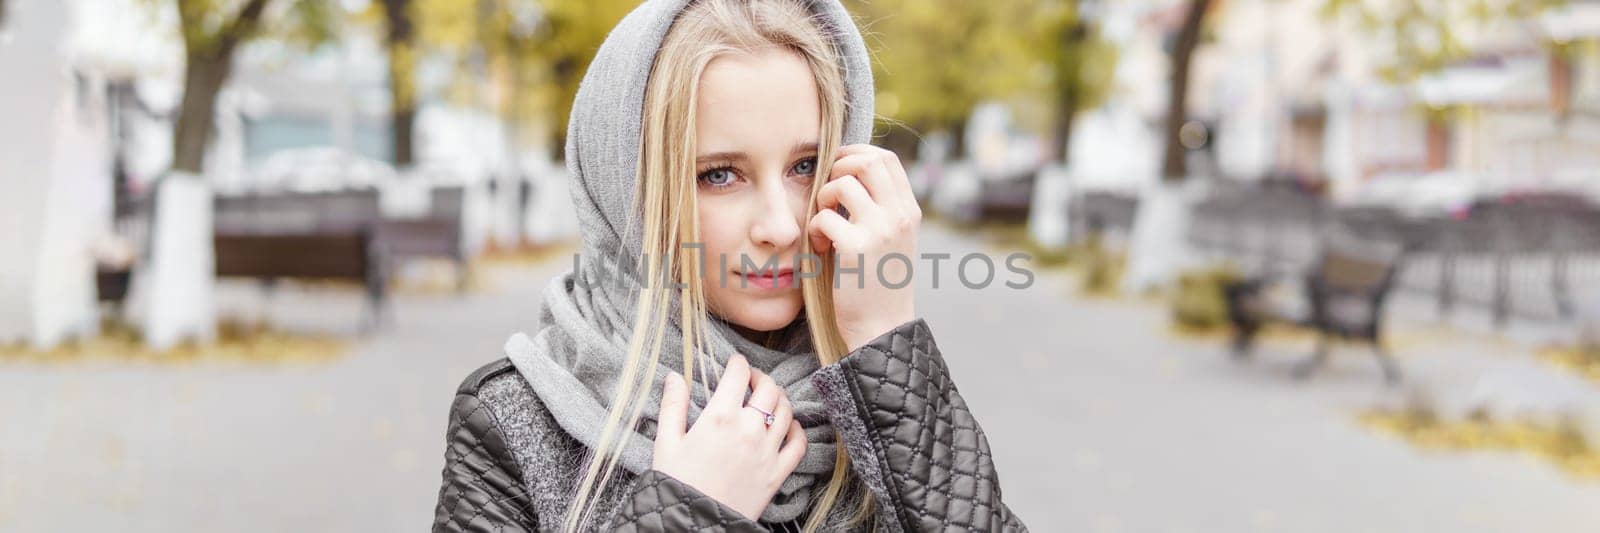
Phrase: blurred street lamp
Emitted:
{"points": [[1193, 135]]}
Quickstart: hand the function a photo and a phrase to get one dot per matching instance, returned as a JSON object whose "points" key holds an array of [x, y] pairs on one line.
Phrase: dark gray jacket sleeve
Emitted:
{"points": [[482, 488], [659, 502], [911, 437]]}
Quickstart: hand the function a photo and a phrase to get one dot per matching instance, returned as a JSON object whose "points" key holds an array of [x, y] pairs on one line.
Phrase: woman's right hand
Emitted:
{"points": [[730, 454]]}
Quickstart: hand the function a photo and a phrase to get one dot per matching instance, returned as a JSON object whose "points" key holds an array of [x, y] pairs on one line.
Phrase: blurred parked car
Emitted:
{"points": [[1418, 194], [1002, 165]]}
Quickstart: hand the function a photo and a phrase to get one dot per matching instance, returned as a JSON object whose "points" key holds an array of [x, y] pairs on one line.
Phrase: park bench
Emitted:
{"points": [[317, 236], [1096, 213], [437, 234], [346, 255], [1261, 229], [339, 235], [1345, 290]]}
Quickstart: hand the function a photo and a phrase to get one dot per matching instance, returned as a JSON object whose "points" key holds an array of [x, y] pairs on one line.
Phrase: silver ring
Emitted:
{"points": [[769, 418]]}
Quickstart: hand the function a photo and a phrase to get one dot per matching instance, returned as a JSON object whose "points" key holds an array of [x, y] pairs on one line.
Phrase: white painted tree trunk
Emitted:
{"points": [[957, 193], [550, 217], [53, 177], [505, 221], [1158, 249], [476, 213], [174, 290], [1048, 222]]}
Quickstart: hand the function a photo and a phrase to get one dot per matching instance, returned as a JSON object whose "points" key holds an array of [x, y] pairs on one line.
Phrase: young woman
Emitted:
{"points": [[728, 212]]}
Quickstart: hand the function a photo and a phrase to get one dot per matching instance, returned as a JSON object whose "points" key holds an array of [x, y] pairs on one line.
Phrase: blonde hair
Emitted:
{"points": [[666, 198]]}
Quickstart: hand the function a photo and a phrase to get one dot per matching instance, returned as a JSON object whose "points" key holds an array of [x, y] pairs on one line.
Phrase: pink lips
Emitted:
{"points": [[782, 278]]}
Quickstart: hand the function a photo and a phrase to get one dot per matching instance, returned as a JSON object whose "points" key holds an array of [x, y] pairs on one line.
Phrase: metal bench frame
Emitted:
{"points": [[1338, 274]]}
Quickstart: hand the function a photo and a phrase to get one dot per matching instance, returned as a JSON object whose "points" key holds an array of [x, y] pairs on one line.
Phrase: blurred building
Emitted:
{"points": [[1288, 92]]}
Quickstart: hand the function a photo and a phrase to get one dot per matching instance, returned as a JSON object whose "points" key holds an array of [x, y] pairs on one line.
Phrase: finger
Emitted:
{"points": [[764, 395], [782, 415], [853, 149], [828, 229], [794, 448], [849, 192], [897, 172], [674, 408], [890, 184], [898, 179], [868, 168], [735, 381]]}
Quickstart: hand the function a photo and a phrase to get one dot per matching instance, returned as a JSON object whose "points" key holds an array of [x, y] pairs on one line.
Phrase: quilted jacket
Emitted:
{"points": [[911, 439]]}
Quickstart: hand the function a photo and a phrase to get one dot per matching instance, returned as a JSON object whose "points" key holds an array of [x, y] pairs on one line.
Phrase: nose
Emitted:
{"points": [[776, 224]]}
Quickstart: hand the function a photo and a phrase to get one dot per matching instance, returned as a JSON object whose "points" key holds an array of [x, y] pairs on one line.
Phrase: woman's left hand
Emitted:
{"points": [[884, 218]]}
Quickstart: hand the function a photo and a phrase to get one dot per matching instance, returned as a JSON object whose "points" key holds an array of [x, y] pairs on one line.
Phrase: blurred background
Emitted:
{"points": [[1299, 265]]}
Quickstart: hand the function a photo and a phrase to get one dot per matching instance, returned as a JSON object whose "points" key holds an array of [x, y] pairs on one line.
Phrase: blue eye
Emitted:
{"points": [[717, 177], [806, 167]]}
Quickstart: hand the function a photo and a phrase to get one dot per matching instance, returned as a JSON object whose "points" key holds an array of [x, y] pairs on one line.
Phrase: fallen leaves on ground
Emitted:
{"points": [[1560, 442], [237, 341]]}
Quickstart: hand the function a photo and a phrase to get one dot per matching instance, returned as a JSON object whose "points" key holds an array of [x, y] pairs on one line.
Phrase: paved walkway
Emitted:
{"points": [[1100, 420]]}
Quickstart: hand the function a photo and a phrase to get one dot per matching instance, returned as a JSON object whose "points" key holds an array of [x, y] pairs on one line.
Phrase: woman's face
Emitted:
{"points": [[756, 126]]}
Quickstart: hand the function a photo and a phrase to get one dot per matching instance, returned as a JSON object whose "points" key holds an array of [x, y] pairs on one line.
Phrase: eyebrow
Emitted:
{"points": [[799, 148]]}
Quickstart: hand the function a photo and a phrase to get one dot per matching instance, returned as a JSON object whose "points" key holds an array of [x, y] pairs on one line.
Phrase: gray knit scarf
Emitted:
{"points": [[574, 361]]}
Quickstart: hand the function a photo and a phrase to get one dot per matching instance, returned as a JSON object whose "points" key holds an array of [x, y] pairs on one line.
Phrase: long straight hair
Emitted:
{"points": [[666, 198]]}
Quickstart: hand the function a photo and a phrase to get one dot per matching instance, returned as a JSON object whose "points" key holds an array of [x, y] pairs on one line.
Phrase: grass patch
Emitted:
{"points": [[528, 254], [1558, 442], [1581, 360], [237, 342], [1199, 304]]}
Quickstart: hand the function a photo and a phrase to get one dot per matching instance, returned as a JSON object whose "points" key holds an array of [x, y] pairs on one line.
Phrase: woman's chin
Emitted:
{"points": [[763, 315]]}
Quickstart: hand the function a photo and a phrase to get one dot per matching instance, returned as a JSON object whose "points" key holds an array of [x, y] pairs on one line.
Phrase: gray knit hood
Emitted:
{"points": [[603, 134], [575, 359]]}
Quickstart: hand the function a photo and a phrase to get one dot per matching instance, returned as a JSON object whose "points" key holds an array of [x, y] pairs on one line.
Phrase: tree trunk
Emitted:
{"points": [[203, 77], [566, 73], [177, 280], [1173, 165], [402, 85], [404, 122], [958, 141], [1064, 120], [1067, 97], [208, 62], [901, 140]]}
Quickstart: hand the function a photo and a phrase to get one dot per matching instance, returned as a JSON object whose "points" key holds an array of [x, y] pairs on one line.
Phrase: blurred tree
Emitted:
{"points": [[1081, 65], [1173, 161], [559, 51], [1423, 36], [211, 31], [1420, 37], [180, 265], [531, 53], [937, 59], [400, 39], [210, 35]]}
